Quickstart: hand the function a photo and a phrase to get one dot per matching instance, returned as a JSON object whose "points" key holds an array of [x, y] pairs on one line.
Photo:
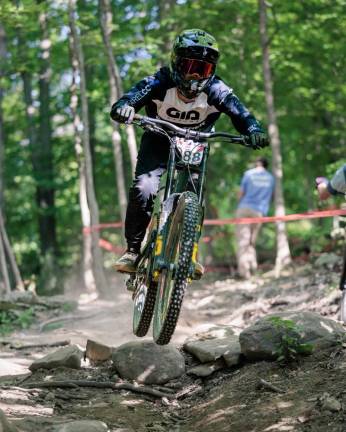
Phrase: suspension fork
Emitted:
{"points": [[170, 171], [203, 175], [200, 201]]}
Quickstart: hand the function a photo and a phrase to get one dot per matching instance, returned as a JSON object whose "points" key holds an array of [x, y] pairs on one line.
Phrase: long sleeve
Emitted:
{"points": [[338, 183], [223, 98], [138, 95]]}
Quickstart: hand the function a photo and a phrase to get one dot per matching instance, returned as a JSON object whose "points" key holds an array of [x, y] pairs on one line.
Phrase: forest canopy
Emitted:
{"points": [[42, 93]]}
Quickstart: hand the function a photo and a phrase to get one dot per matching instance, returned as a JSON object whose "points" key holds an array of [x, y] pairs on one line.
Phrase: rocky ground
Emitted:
{"points": [[208, 388]]}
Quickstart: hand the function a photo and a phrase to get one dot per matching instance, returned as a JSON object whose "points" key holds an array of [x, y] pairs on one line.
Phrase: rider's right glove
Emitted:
{"points": [[123, 114], [258, 140]]}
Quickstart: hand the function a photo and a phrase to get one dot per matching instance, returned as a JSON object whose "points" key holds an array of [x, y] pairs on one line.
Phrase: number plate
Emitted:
{"points": [[191, 151]]}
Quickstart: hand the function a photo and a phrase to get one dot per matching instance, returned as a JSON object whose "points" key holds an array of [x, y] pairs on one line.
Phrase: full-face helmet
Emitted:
{"points": [[194, 58]]}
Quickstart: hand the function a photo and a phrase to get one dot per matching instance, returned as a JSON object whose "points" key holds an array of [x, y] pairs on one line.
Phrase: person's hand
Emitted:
{"points": [[258, 140], [322, 188], [124, 114]]}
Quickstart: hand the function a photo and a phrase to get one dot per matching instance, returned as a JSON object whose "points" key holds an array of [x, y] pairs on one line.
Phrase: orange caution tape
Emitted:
{"points": [[283, 218], [104, 244], [236, 221]]}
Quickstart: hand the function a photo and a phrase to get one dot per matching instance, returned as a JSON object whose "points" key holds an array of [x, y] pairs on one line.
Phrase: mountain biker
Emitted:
{"points": [[190, 95]]}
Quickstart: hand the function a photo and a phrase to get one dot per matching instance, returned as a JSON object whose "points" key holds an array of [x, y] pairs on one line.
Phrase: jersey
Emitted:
{"points": [[158, 95], [258, 186]]}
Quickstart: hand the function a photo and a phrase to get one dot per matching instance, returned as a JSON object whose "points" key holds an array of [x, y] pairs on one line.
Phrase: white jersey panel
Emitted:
{"points": [[176, 111]]}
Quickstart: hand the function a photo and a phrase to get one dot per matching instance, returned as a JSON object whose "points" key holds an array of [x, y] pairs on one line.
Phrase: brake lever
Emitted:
{"points": [[145, 124]]}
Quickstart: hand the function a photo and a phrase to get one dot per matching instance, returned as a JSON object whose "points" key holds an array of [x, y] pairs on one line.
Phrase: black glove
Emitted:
{"points": [[123, 114], [258, 140]]}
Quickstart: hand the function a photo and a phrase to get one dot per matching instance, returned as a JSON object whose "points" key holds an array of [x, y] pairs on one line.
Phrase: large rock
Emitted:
{"points": [[83, 426], [70, 356], [5, 425], [219, 341], [146, 362], [264, 339]]}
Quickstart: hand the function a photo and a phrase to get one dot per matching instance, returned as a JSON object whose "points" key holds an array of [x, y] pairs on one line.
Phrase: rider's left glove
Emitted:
{"points": [[258, 140]]}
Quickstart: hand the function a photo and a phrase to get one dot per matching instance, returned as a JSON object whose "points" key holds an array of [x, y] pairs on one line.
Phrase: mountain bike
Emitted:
{"points": [[166, 263]]}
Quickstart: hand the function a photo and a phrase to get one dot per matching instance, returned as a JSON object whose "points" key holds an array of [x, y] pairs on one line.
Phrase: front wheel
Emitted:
{"points": [[179, 249]]}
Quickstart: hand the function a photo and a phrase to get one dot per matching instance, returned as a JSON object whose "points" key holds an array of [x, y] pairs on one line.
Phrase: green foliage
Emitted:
{"points": [[308, 62], [11, 320], [291, 345]]}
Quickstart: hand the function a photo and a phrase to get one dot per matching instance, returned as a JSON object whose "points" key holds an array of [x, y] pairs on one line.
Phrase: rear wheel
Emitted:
{"points": [[178, 255], [144, 301], [145, 292]]}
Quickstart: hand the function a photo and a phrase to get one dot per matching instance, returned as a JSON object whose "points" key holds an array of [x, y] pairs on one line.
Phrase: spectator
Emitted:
{"points": [[256, 191], [327, 188], [337, 185]]}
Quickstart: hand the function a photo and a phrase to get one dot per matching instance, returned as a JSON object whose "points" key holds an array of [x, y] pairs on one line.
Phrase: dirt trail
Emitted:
{"points": [[222, 398]]}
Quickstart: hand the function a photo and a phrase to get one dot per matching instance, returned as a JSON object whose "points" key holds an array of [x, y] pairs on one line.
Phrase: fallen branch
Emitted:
{"points": [[269, 386], [192, 389], [107, 384], [67, 318], [69, 396], [41, 345]]}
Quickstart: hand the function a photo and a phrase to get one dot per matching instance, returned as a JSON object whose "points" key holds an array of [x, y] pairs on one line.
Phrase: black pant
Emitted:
{"points": [[151, 164]]}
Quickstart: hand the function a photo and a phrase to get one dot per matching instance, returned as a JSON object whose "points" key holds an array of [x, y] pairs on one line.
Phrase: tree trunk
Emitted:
{"points": [[94, 276], [88, 274], [131, 144], [115, 81], [2, 137], [283, 255], [113, 76], [164, 11], [45, 169], [10, 255], [3, 267], [6, 249], [41, 157]]}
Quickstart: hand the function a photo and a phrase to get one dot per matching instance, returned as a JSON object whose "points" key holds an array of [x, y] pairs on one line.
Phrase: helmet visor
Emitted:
{"points": [[192, 69]]}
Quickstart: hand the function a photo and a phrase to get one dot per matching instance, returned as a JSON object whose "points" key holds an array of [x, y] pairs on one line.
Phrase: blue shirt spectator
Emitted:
{"points": [[257, 187], [256, 191]]}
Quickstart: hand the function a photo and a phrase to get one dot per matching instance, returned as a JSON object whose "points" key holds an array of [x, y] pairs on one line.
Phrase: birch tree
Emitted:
{"points": [[94, 277], [115, 89], [283, 255], [115, 81]]}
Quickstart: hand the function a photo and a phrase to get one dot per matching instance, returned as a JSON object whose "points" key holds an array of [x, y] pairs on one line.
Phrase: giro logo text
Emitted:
{"points": [[183, 115]]}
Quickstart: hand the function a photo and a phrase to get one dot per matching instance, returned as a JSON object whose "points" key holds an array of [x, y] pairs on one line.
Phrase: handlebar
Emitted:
{"points": [[152, 123]]}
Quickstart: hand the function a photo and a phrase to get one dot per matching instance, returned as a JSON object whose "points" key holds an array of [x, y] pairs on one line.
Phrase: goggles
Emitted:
{"points": [[191, 69]]}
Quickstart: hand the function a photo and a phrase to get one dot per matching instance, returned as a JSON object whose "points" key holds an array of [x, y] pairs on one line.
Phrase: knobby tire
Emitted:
{"points": [[142, 319], [179, 247]]}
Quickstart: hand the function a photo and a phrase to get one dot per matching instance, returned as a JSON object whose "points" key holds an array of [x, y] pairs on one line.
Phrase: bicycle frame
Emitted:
{"points": [[178, 177]]}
